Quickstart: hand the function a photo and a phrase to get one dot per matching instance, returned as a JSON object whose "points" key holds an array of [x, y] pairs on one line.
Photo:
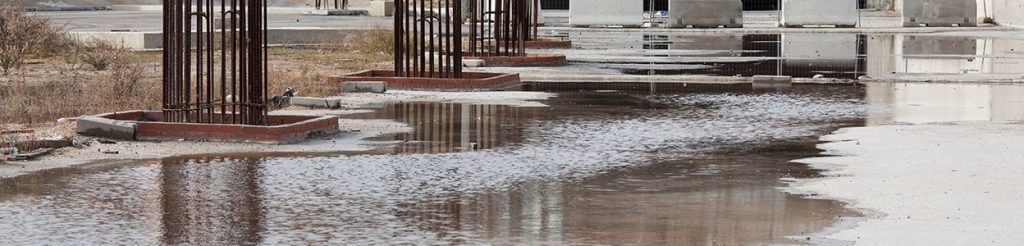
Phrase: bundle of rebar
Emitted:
{"points": [[214, 70], [428, 38], [501, 27]]}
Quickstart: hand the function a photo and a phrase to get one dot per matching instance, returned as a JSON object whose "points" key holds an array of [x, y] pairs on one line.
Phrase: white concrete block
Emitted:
{"points": [[939, 13], [105, 128], [364, 87], [841, 13], [382, 8], [705, 13], [589, 13]]}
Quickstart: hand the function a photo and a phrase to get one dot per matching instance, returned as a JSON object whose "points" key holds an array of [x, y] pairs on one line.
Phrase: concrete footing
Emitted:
{"points": [[472, 81], [604, 13], [839, 13], [149, 126], [705, 13], [771, 82], [315, 102], [918, 13], [364, 87], [542, 43]]}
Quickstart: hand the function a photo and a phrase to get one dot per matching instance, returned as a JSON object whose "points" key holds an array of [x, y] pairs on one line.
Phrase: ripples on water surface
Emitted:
{"points": [[593, 168]]}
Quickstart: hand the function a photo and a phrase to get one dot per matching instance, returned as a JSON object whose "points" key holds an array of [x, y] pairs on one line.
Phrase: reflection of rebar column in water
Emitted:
{"points": [[191, 92], [443, 127], [210, 201]]}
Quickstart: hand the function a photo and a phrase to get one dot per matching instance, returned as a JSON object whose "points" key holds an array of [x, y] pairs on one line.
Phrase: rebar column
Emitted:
{"points": [[501, 27], [428, 38], [202, 85]]}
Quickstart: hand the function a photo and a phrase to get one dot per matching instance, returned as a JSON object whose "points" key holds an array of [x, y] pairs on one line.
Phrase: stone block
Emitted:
{"points": [[705, 13], [382, 8], [364, 86], [819, 49], [106, 128], [840, 13], [939, 13], [597, 13], [315, 102]]}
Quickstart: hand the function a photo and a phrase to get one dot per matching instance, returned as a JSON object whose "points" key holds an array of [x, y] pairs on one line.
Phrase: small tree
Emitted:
{"points": [[22, 36]]}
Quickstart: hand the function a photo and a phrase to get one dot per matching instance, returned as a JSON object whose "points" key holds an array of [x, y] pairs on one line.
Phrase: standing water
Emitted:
{"points": [[594, 167]]}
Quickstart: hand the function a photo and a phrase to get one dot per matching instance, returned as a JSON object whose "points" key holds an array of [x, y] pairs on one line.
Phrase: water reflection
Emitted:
{"points": [[703, 169], [846, 56], [449, 127], [927, 103], [210, 200]]}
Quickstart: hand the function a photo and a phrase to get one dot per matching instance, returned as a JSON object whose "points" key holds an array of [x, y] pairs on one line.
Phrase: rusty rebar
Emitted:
{"points": [[428, 38], [501, 27], [191, 92]]}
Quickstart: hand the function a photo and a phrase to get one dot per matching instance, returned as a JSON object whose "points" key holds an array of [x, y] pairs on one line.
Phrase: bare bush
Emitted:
{"points": [[379, 41], [126, 76], [101, 54], [23, 36]]}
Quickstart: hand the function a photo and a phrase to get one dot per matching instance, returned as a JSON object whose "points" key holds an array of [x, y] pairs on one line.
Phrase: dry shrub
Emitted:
{"points": [[23, 36], [378, 41], [101, 54]]}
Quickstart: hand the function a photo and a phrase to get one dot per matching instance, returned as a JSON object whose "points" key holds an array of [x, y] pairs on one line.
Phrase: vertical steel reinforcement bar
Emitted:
{"points": [[428, 38], [192, 90]]}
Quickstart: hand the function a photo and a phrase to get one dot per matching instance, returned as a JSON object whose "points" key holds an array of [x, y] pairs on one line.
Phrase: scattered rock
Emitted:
{"points": [[106, 141]]}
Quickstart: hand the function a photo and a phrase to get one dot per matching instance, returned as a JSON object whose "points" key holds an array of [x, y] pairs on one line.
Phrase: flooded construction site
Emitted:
{"points": [[512, 122], [701, 168]]}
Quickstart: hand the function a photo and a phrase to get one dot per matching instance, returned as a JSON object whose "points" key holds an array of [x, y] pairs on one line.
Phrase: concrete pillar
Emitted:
{"points": [[839, 13], [705, 13], [596, 13], [940, 13]]}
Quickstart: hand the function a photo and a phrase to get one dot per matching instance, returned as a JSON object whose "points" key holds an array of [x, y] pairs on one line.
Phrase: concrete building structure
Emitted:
{"points": [[839, 13], [705, 13], [939, 13], [596, 13]]}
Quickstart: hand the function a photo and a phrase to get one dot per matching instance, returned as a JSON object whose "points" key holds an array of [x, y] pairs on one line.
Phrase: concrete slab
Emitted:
{"points": [[839, 13], [364, 87], [315, 102], [918, 13], [771, 82], [382, 8], [705, 13], [600, 13], [106, 128]]}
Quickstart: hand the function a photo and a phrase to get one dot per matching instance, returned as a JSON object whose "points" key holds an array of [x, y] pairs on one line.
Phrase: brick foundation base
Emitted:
{"points": [[470, 81], [548, 44], [281, 129]]}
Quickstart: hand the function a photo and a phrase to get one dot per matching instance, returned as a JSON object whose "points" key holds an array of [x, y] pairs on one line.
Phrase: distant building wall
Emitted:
{"points": [[1005, 12]]}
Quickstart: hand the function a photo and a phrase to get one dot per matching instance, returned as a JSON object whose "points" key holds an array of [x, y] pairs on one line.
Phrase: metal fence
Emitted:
{"points": [[214, 61], [325, 4], [500, 27]]}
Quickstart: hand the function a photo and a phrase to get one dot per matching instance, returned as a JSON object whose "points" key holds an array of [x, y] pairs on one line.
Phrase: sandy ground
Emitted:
{"points": [[934, 184], [352, 138]]}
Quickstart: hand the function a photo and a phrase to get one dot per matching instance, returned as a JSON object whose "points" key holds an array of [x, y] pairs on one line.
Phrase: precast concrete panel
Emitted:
{"points": [[841, 13], [940, 13], [705, 13], [596, 13]]}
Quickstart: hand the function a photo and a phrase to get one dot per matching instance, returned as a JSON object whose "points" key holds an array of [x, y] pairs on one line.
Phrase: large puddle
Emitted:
{"points": [[846, 56], [594, 168]]}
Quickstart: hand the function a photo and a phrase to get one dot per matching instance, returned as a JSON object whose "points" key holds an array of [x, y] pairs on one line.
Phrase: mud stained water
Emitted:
{"points": [[594, 168]]}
